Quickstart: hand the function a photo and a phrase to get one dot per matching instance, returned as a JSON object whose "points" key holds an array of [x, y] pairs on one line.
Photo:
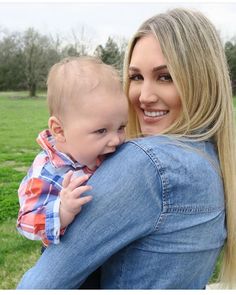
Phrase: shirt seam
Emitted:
{"points": [[193, 210], [164, 190]]}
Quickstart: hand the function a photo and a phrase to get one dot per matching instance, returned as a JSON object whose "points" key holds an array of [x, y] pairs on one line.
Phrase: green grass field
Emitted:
{"points": [[21, 120]]}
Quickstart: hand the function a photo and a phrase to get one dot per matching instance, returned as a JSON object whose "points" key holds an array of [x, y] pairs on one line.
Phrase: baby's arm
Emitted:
{"points": [[42, 214], [70, 201], [39, 204]]}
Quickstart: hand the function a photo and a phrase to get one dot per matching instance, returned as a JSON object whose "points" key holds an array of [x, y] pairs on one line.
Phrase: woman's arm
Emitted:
{"points": [[126, 206]]}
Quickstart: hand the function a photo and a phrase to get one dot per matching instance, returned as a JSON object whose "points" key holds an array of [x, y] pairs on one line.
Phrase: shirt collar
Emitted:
{"points": [[57, 158]]}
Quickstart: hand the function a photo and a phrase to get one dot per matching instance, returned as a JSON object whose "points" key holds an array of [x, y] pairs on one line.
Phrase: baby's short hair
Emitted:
{"points": [[73, 77]]}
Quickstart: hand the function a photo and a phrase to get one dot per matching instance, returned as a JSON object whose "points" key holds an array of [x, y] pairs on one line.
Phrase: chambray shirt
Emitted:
{"points": [[38, 193], [156, 221]]}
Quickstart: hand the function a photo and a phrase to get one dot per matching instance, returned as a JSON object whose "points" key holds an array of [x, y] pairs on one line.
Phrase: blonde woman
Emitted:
{"points": [[163, 205], [196, 62]]}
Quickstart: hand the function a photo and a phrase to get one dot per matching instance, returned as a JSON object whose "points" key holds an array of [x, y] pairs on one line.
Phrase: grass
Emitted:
{"points": [[17, 255], [21, 120]]}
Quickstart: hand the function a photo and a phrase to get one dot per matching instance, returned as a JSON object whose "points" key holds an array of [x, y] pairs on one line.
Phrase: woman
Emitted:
{"points": [[157, 220]]}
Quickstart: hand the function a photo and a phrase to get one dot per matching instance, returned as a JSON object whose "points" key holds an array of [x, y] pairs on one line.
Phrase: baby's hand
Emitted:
{"points": [[71, 202]]}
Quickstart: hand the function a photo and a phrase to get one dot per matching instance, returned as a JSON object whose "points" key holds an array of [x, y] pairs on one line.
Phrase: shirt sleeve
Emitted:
{"points": [[38, 217]]}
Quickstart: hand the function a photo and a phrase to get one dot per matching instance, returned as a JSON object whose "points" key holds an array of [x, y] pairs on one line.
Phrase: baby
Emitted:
{"points": [[88, 115]]}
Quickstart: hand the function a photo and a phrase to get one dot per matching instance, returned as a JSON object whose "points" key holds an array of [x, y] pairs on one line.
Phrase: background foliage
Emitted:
{"points": [[25, 57], [230, 51]]}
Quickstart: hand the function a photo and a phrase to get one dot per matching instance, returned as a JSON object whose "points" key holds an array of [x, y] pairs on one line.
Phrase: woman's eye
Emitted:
{"points": [[135, 77], [101, 131], [165, 78]]}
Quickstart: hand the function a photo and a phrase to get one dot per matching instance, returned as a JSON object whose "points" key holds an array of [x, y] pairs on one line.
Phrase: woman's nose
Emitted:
{"points": [[148, 94]]}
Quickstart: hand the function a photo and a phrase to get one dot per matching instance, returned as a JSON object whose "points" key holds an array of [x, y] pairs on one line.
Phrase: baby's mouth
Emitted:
{"points": [[101, 158]]}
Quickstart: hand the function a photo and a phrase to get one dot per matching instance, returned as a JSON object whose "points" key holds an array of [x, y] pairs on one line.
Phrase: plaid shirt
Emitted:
{"points": [[38, 217]]}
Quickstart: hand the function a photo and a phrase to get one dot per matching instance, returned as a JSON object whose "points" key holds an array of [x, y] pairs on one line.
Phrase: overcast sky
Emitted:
{"points": [[101, 19]]}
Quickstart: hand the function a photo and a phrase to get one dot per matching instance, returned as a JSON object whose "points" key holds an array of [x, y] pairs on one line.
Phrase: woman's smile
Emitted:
{"points": [[154, 114]]}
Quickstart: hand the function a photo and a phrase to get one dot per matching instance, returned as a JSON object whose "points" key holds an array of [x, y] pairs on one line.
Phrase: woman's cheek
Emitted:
{"points": [[133, 94]]}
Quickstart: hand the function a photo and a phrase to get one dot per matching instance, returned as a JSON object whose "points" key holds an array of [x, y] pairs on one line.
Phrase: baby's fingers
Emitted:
{"points": [[84, 200], [77, 192], [67, 179], [78, 181]]}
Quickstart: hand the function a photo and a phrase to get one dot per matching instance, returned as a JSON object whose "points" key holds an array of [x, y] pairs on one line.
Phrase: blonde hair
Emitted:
{"points": [[72, 77], [196, 61]]}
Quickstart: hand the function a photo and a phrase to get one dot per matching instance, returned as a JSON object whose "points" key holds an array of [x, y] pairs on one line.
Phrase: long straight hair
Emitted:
{"points": [[197, 64]]}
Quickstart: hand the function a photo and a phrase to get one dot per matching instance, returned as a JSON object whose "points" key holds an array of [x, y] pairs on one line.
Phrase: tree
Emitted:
{"points": [[230, 51], [25, 59], [112, 53], [122, 45], [11, 62], [34, 47], [78, 43], [40, 53]]}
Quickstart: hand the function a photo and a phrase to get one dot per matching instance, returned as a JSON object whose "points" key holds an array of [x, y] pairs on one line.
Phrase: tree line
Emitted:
{"points": [[230, 51], [25, 57]]}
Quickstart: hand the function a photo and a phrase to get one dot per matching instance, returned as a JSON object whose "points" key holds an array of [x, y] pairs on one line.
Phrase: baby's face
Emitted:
{"points": [[97, 126]]}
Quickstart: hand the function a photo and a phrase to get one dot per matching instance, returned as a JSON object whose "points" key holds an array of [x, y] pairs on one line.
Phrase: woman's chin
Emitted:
{"points": [[151, 130]]}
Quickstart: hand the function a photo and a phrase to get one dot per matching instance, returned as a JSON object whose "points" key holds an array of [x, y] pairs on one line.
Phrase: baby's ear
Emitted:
{"points": [[56, 129]]}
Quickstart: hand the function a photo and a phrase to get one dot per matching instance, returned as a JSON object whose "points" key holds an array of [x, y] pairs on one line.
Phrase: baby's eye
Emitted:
{"points": [[165, 78], [101, 131], [121, 128], [135, 77]]}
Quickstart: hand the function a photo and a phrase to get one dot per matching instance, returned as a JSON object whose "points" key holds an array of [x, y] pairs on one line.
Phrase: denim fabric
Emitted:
{"points": [[157, 221]]}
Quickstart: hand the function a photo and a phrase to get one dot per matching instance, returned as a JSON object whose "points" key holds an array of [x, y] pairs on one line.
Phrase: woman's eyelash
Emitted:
{"points": [[165, 77], [135, 77], [161, 77]]}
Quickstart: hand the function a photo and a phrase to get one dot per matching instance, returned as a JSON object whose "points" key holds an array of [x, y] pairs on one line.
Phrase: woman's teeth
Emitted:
{"points": [[155, 114]]}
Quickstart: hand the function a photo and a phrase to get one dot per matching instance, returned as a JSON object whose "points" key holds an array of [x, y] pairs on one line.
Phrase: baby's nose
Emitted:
{"points": [[115, 140]]}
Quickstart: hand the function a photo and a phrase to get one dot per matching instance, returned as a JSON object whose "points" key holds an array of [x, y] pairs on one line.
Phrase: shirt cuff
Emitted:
{"points": [[53, 224]]}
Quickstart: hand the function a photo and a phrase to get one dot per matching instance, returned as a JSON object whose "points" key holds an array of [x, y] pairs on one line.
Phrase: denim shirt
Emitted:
{"points": [[156, 221]]}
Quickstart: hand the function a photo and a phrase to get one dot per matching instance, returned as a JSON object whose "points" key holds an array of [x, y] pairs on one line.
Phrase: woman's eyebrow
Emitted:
{"points": [[155, 69], [161, 67], [133, 69]]}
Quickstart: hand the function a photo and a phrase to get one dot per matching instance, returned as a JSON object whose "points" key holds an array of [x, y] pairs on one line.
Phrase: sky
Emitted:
{"points": [[97, 20]]}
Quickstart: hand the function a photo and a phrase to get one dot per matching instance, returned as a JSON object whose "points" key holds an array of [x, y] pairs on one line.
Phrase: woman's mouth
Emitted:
{"points": [[155, 114], [152, 117]]}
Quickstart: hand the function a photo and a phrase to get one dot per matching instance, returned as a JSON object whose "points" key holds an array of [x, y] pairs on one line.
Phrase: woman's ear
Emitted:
{"points": [[56, 129]]}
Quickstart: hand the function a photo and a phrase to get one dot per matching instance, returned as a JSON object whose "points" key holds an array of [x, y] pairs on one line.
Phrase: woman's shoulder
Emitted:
{"points": [[167, 143], [172, 142], [153, 140], [177, 150], [186, 168], [157, 150]]}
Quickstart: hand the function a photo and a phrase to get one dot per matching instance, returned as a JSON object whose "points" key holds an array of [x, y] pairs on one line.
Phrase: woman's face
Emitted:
{"points": [[152, 91]]}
